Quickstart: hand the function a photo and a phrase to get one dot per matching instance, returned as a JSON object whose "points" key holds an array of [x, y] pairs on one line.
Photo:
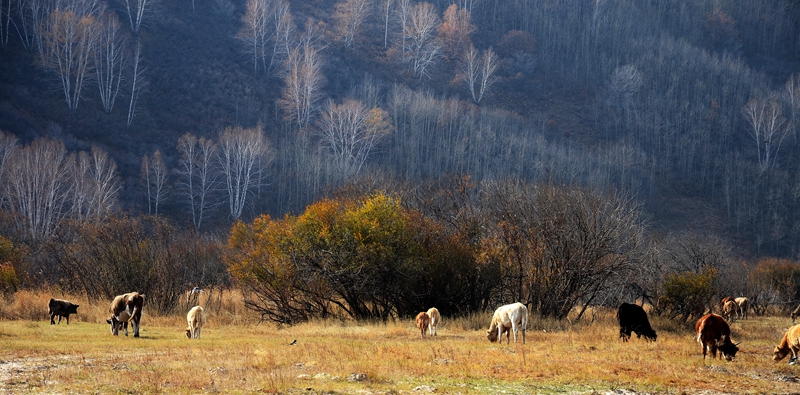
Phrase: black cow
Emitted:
{"points": [[632, 318], [61, 308]]}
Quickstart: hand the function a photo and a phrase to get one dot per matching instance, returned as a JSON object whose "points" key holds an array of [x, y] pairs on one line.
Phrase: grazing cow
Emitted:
{"points": [[790, 343], [196, 319], [795, 313], [743, 305], [730, 310], [508, 318], [723, 301], [632, 318], [422, 321], [714, 333], [61, 308], [126, 308], [436, 318]]}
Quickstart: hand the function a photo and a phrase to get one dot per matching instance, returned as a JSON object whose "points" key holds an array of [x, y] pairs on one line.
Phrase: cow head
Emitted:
{"points": [[189, 333], [116, 325], [491, 333], [780, 353], [650, 335], [72, 308], [729, 350]]}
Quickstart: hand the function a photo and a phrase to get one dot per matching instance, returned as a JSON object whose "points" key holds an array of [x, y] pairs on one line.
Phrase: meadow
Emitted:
{"points": [[239, 354]]}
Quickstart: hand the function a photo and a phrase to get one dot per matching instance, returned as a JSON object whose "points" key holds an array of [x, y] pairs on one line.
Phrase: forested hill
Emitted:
{"points": [[689, 106]]}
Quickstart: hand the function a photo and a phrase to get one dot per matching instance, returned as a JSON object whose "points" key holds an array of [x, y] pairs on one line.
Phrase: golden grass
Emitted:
{"points": [[237, 356]]}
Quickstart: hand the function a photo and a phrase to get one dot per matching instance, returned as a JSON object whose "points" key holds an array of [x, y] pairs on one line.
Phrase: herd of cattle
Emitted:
{"points": [[712, 330]]}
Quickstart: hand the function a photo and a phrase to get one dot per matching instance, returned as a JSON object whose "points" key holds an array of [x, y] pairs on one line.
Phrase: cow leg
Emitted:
{"points": [[135, 325], [125, 327], [523, 335], [67, 319], [52, 321], [198, 332]]}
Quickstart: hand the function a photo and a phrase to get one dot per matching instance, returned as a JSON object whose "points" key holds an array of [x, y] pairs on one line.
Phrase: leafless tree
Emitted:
{"points": [[767, 127], [420, 34], [283, 34], [69, 40], [479, 75], [8, 147], [154, 175], [5, 21], [30, 17], [41, 187], [348, 17], [110, 59], [136, 82], [387, 8], [791, 93], [96, 185], [198, 175], [350, 132], [402, 14], [239, 152], [302, 85], [135, 9], [255, 30]]}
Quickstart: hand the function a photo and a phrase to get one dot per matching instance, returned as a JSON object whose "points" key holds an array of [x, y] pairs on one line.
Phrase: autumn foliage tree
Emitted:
{"points": [[360, 258]]}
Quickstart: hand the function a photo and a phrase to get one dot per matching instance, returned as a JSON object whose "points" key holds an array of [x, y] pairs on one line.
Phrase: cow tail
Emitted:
{"points": [[700, 330]]}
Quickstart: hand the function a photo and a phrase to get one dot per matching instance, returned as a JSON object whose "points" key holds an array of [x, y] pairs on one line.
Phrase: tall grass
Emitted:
{"points": [[238, 354]]}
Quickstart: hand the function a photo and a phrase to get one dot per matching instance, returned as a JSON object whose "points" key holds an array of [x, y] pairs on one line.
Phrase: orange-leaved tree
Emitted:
{"points": [[362, 257]]}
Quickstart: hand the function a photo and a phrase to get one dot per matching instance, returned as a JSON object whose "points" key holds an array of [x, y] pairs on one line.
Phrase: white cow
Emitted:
{"points": [[196, 319], [436, 318], [511, 317]]}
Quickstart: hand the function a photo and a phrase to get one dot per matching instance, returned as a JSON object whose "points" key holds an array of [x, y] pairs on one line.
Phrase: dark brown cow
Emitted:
{"points": [[632, 318], [61, 308], [126, 308], [714, 333]]}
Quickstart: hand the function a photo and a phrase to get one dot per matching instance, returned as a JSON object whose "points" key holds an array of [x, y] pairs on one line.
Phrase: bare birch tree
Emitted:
{"points": [[767, 127], [109, 59], [387, 8], [350, 132], [302, 84], [8, 146], [69, 40], [420, 34], [5, 21], [284, 30], [30, 17], [239, 152], [137, 85], [95, 185], [791, 94], [198, 176], [254, 32], [402, 14], [154, 176], [348, 19], [135, 9], [479, 74], [41, 186]]}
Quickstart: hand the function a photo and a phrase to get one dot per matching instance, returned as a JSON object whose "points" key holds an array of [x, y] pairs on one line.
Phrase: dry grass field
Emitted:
{"points": [[238, 355]]}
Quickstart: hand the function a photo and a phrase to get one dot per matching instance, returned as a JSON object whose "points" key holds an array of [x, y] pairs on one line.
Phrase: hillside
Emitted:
{"points": [[647, 97]]}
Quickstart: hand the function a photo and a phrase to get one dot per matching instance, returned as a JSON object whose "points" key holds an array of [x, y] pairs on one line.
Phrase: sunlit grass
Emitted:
{"points": [[237, 355]]}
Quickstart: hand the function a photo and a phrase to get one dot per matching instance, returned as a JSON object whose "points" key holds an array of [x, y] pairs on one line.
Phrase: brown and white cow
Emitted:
{"points": [[436, 318], [723, 301], [509, 318], [126, 308], [61, 308], [789, 344], [196, 318], [743, 305], [422, 321], [714, 333]]}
